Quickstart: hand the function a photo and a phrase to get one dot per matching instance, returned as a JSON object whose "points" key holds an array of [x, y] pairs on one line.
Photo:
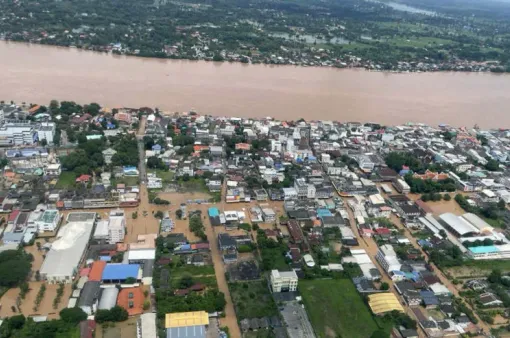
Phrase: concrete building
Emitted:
{"points": [[116, 226], [48, 221], [284, 281], [401, 186], [387, 257]]}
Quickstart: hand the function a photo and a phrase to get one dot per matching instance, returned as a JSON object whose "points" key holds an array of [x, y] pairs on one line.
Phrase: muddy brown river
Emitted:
{"points": [[37, 74]]}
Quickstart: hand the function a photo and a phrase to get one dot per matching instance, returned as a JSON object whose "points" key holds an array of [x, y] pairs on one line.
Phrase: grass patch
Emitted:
{"points": [[252, 300], [166, 176], [264, 333], [128, 181], [334, 306], [67, 179], [206, 270], [489, 265]]}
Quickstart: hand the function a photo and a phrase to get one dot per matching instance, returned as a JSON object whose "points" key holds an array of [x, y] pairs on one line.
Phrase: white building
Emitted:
{"points": [[54, 169], [304, 190], [154, 182], [387, 257], [48, 221], [283, 281], [17, 132], [46, 131], [401, 186], [67, 252], [116, 226], [101, 232], [289, 193]]}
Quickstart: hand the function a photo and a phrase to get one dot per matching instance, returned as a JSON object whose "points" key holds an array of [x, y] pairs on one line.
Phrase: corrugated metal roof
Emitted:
{"points": [[120, 271], [182, 319], [384, 302], [108, 298]]}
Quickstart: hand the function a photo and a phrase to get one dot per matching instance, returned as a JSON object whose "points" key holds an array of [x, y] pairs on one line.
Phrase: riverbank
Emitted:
{"points": [[38, 74], [462, 66]]}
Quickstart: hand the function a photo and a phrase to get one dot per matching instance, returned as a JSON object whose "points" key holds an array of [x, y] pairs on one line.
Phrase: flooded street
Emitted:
{"points": [[37, 73]]}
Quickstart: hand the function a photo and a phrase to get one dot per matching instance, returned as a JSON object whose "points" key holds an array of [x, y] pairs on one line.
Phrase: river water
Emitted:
{"points": [[37, 74]]}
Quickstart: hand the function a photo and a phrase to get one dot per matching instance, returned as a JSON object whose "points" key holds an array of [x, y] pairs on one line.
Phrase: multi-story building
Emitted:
{"points": [[46, 131], [401, 186], [116, 226], [387, 257], [17, 132], [283, 281], [54, 169], [304, 189], [154, 182]]}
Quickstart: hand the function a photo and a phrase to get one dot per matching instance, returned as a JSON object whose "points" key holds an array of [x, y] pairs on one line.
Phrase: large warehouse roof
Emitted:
{"points": [[384, 302], [66, 252], [477, 222], [458, 224]]}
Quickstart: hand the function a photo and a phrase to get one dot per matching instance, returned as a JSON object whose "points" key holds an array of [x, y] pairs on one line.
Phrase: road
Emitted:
{"points": [[141, 149], [230, 319]]}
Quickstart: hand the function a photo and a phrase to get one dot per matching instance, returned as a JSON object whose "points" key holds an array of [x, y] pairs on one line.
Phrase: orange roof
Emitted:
{"points": [[34, 108], [96, 272], [200, 147], [131, 299], [9, 174]]}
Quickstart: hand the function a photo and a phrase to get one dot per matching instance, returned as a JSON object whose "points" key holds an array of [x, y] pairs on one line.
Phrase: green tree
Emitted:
{"points": [[73, 315], [385, 286], [379, 334]]}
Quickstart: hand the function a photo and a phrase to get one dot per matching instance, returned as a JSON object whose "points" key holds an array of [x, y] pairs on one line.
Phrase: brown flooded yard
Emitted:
{"points": [[45, 308]]}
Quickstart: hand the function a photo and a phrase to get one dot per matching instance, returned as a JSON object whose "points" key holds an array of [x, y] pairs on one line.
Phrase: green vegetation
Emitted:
{"points": [[334, 304], [306, 32], [72, 315], [115, 314], [66, 180], [21, 327], [39, 297], [272, 253], [196, 226], [252, 300], [60, 293], [14, 267]]}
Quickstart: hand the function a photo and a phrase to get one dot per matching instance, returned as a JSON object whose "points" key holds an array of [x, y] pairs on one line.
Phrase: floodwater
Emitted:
{"points": [[38, 74]]}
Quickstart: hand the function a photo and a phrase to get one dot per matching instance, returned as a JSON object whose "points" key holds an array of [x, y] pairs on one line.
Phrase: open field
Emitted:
{"points": [[252, 300], [479, 268], [336, 309]]}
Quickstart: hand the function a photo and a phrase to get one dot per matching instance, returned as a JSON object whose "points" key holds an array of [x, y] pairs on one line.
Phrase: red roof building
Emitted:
{"points": [[96, 271], [83, 178], [132, 300], [13, 216]]}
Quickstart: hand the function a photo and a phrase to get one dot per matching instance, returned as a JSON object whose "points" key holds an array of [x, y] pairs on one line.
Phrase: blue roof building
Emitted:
{"points": [[213, 212], [156, 147], [120, 272]]}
